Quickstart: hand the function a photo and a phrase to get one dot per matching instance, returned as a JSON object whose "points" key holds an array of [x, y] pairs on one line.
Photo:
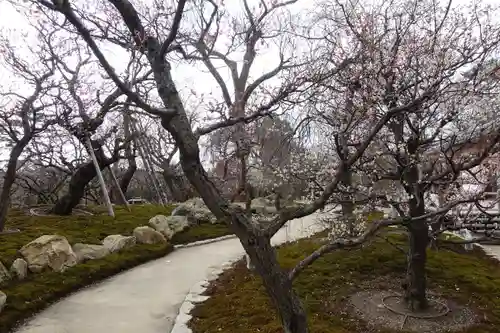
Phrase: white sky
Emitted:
{"points": [[185, 75], [192, 80]]}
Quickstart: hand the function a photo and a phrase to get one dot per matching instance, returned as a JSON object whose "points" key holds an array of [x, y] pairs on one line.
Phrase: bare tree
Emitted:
{"points": [[24, 116], [76, 95], [54, 157], [221, 41]]}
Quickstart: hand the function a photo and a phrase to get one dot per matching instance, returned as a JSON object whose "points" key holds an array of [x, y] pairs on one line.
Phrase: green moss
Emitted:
{"points": [[77, 229], [39, 290], [240, 304], [374, 215], [201, 232]]}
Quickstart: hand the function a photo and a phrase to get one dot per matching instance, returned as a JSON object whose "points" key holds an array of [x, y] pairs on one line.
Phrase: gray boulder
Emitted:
{"points": [[196, 211], [19, 268], [148, 235], [169, 225], [86, 252], [51, 251], [115, 243]]}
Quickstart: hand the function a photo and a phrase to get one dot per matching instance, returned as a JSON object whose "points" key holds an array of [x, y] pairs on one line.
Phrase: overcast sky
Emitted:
{"points": [[191, 80], [188, 78]]}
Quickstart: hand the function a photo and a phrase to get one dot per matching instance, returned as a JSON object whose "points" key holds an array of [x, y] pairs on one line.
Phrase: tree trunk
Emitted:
{"points": [[177, 191], [347, 204], [79, 180], [125, 181], [416, 281], [278, 285], [128, 175], [129, 154], [415, 277], [346, 179], [9, 178]]}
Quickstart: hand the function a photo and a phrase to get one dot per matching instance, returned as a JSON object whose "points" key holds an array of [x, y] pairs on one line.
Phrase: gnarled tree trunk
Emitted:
{"points": [[132, 164], [177, 190], [346, 180], [278, 285], [9, 178], [125, 181], [79, 180], [347, 204], [416, 277], [128, 175]]}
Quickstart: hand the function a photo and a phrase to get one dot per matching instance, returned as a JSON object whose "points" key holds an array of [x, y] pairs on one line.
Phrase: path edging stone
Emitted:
{"points": [[194, 297], [205, 241]]}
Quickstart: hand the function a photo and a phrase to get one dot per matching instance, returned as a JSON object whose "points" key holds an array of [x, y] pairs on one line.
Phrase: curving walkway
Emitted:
{"points": [[147, 298]]}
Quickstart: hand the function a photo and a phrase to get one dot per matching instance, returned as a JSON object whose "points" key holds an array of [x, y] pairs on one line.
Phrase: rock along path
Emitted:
{"points": [[147, 298]]}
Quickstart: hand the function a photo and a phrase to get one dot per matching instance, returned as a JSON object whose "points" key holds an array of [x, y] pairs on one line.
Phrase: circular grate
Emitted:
{"points": [[441, 309]]}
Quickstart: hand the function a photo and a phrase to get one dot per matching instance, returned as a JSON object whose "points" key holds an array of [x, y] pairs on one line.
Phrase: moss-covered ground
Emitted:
{"points": [[239, 302], [39, 290]]}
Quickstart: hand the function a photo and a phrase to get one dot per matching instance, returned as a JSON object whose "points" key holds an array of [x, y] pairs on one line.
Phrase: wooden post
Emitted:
{"points": [[148, 151], [149, 171], [101, 179], [147, 165], [117, 185], [498, 192]]}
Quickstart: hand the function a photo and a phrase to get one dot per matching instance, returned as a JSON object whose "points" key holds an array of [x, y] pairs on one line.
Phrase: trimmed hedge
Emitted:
{"points": [[37, 291]]}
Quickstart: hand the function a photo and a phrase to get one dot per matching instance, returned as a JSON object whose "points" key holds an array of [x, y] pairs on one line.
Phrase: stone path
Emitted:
{"points": [[146, 299]]}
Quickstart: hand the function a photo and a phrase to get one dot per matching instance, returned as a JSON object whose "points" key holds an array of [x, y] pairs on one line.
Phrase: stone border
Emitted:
{"points": [[194, 297], [205, 241]]}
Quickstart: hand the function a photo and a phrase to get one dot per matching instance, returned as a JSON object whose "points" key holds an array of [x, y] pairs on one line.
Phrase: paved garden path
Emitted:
{"points": [[492, 250], [146, 299]]}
